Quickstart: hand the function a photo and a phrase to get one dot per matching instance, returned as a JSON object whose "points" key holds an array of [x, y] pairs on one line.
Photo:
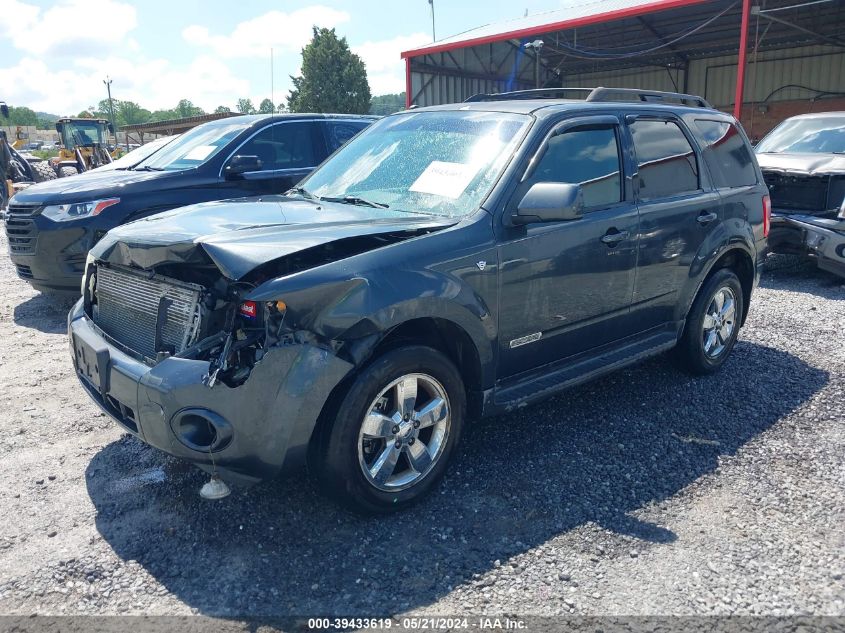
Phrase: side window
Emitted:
{"points": [[585, 156], [726, 154], [337, 133], [283, 146], [665, 160]]}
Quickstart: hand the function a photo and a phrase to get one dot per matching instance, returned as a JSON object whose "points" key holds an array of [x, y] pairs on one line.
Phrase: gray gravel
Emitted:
{"points": [[647, 492]]}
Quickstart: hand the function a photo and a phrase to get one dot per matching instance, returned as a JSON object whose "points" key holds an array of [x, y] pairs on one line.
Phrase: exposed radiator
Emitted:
{"points": [[146, 315]]}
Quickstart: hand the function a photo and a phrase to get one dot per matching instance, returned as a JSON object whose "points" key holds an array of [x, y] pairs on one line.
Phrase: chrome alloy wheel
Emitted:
{"points": [[404, 432], [719, 322]]}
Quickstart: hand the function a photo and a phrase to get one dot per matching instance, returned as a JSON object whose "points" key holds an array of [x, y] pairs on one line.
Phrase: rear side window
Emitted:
{"points": [[666, 161], [726, 153], [283, 146], [585, 156], [341, 131]]}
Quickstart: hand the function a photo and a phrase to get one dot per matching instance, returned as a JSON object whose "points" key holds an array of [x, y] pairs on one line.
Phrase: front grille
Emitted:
{"points": [[146, 315], [24, 272], [803, 192], [22, 234], [23, 209]]}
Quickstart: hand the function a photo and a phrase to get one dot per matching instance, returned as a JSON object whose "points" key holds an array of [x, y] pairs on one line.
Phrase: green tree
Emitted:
{"points": [[334, 79], [185, 109], [222, 109], [130, 113], [266, 107], [281, 108], [22, 116], [387, 104], [163, 115], [245, 106]]}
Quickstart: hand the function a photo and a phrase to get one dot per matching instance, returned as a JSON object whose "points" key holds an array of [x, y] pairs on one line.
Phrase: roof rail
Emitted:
{"points": [[632, 94], [596, 95], [539, 93]]}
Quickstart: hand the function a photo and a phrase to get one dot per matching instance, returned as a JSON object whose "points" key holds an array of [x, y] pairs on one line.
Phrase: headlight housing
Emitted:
{"points": [[77, 210]]}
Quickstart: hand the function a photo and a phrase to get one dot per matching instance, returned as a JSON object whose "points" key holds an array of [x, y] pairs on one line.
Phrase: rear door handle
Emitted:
{"points": [[613, 237], [704, 218]]}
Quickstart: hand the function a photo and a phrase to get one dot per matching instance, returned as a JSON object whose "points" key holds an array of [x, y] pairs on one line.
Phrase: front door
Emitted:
{"points": [[566, 286], [288, 151]]}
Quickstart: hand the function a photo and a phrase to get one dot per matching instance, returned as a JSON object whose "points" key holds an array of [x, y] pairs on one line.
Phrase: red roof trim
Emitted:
{"points": [[619, 14]]}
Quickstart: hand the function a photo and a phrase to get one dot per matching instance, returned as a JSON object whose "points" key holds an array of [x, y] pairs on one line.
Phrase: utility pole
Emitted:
{"points": [[107, 81], [537, 45], [433, 34]]}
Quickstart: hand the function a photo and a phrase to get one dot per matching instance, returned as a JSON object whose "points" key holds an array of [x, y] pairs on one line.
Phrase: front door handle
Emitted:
{"points": [[704, 218], [613, 237]]}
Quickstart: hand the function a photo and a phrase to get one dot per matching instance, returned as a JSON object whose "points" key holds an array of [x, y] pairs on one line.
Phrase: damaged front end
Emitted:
{"points": [[808, 208], [192, 355]]}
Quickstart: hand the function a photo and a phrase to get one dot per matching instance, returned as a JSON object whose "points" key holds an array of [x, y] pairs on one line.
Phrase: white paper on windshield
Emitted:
{"points": [[444, 179], [200, 152]]}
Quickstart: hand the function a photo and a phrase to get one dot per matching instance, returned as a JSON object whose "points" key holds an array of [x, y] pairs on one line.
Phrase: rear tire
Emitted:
{"points": [[393, 432], [65, 172], [712, 325], [43, 171]]}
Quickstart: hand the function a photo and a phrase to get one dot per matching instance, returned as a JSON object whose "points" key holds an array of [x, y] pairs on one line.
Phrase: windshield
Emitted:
{"points": [[824, 135], [195, 146], [438, 163], [137, 155], [82, 133]]}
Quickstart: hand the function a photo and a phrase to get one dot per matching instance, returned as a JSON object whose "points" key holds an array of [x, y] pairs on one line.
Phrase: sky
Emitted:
{"points": [[55, 55]]}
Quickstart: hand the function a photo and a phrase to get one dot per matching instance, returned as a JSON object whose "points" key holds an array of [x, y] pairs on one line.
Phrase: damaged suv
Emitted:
{"points": [[448, 263], [803, 162]]}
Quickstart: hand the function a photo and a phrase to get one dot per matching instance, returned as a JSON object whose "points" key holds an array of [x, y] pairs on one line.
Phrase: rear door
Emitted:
{"points": [[678, 209], [566, 286], [339, 132]]}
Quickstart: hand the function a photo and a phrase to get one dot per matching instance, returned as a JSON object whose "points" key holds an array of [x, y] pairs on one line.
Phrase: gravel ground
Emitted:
{"points": [[647, 492]]}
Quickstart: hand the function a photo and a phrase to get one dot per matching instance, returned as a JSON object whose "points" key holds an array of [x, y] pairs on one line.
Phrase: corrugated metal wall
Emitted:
{"points": [[816, 68], [819, 68]]}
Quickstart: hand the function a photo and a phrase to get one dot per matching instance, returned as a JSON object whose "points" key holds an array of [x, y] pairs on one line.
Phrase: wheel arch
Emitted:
{"points": [[739, 260]]}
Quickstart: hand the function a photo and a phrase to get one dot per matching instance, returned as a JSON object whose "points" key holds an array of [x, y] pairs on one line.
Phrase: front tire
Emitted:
{"points": [[43, 171], [394, 431], [712, 325]]}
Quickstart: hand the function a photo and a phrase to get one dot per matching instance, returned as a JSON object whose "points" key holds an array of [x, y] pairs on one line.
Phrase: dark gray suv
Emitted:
{"points": [[448, 263]]}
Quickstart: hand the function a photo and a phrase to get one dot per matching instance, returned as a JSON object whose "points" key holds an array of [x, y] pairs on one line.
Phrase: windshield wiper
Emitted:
{"points": [[363, 202], [147, 168], [302, 192]]}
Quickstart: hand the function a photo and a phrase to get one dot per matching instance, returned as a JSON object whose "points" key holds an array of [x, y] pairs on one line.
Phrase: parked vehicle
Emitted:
{"points": [[447, 263], [136, 156], [51, 227], [803, 162]]}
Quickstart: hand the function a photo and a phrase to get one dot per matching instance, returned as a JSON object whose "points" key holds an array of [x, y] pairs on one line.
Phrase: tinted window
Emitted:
{"points": [[726, 154], [666, 160], [341, 131], [283, 146], [588, 157]]}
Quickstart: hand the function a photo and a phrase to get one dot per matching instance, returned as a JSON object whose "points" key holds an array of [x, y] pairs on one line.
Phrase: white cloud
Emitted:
{"points": [[285, 32], [154, 84], [385, 67], [66, 27]]}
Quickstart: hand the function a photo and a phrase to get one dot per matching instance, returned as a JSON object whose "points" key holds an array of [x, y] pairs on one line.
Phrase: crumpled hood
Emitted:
{"points": [[240, 235], [812, 164], [90, 185]]}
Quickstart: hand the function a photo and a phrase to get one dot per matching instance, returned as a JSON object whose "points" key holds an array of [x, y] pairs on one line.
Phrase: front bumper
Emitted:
{"points": [[249, 433], [50, 255], [823, 239]]}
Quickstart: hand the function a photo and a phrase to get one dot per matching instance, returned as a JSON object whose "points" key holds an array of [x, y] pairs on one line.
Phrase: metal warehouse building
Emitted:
{"points": [[763, 60]]}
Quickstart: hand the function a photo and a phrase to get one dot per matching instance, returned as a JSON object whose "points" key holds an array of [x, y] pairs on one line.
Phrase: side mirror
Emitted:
{"points": [[242, 164], [549, 202]]}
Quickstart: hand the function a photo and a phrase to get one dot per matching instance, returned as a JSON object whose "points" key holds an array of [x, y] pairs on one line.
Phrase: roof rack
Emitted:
{"points": [[598, 95], [539, 93]]}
